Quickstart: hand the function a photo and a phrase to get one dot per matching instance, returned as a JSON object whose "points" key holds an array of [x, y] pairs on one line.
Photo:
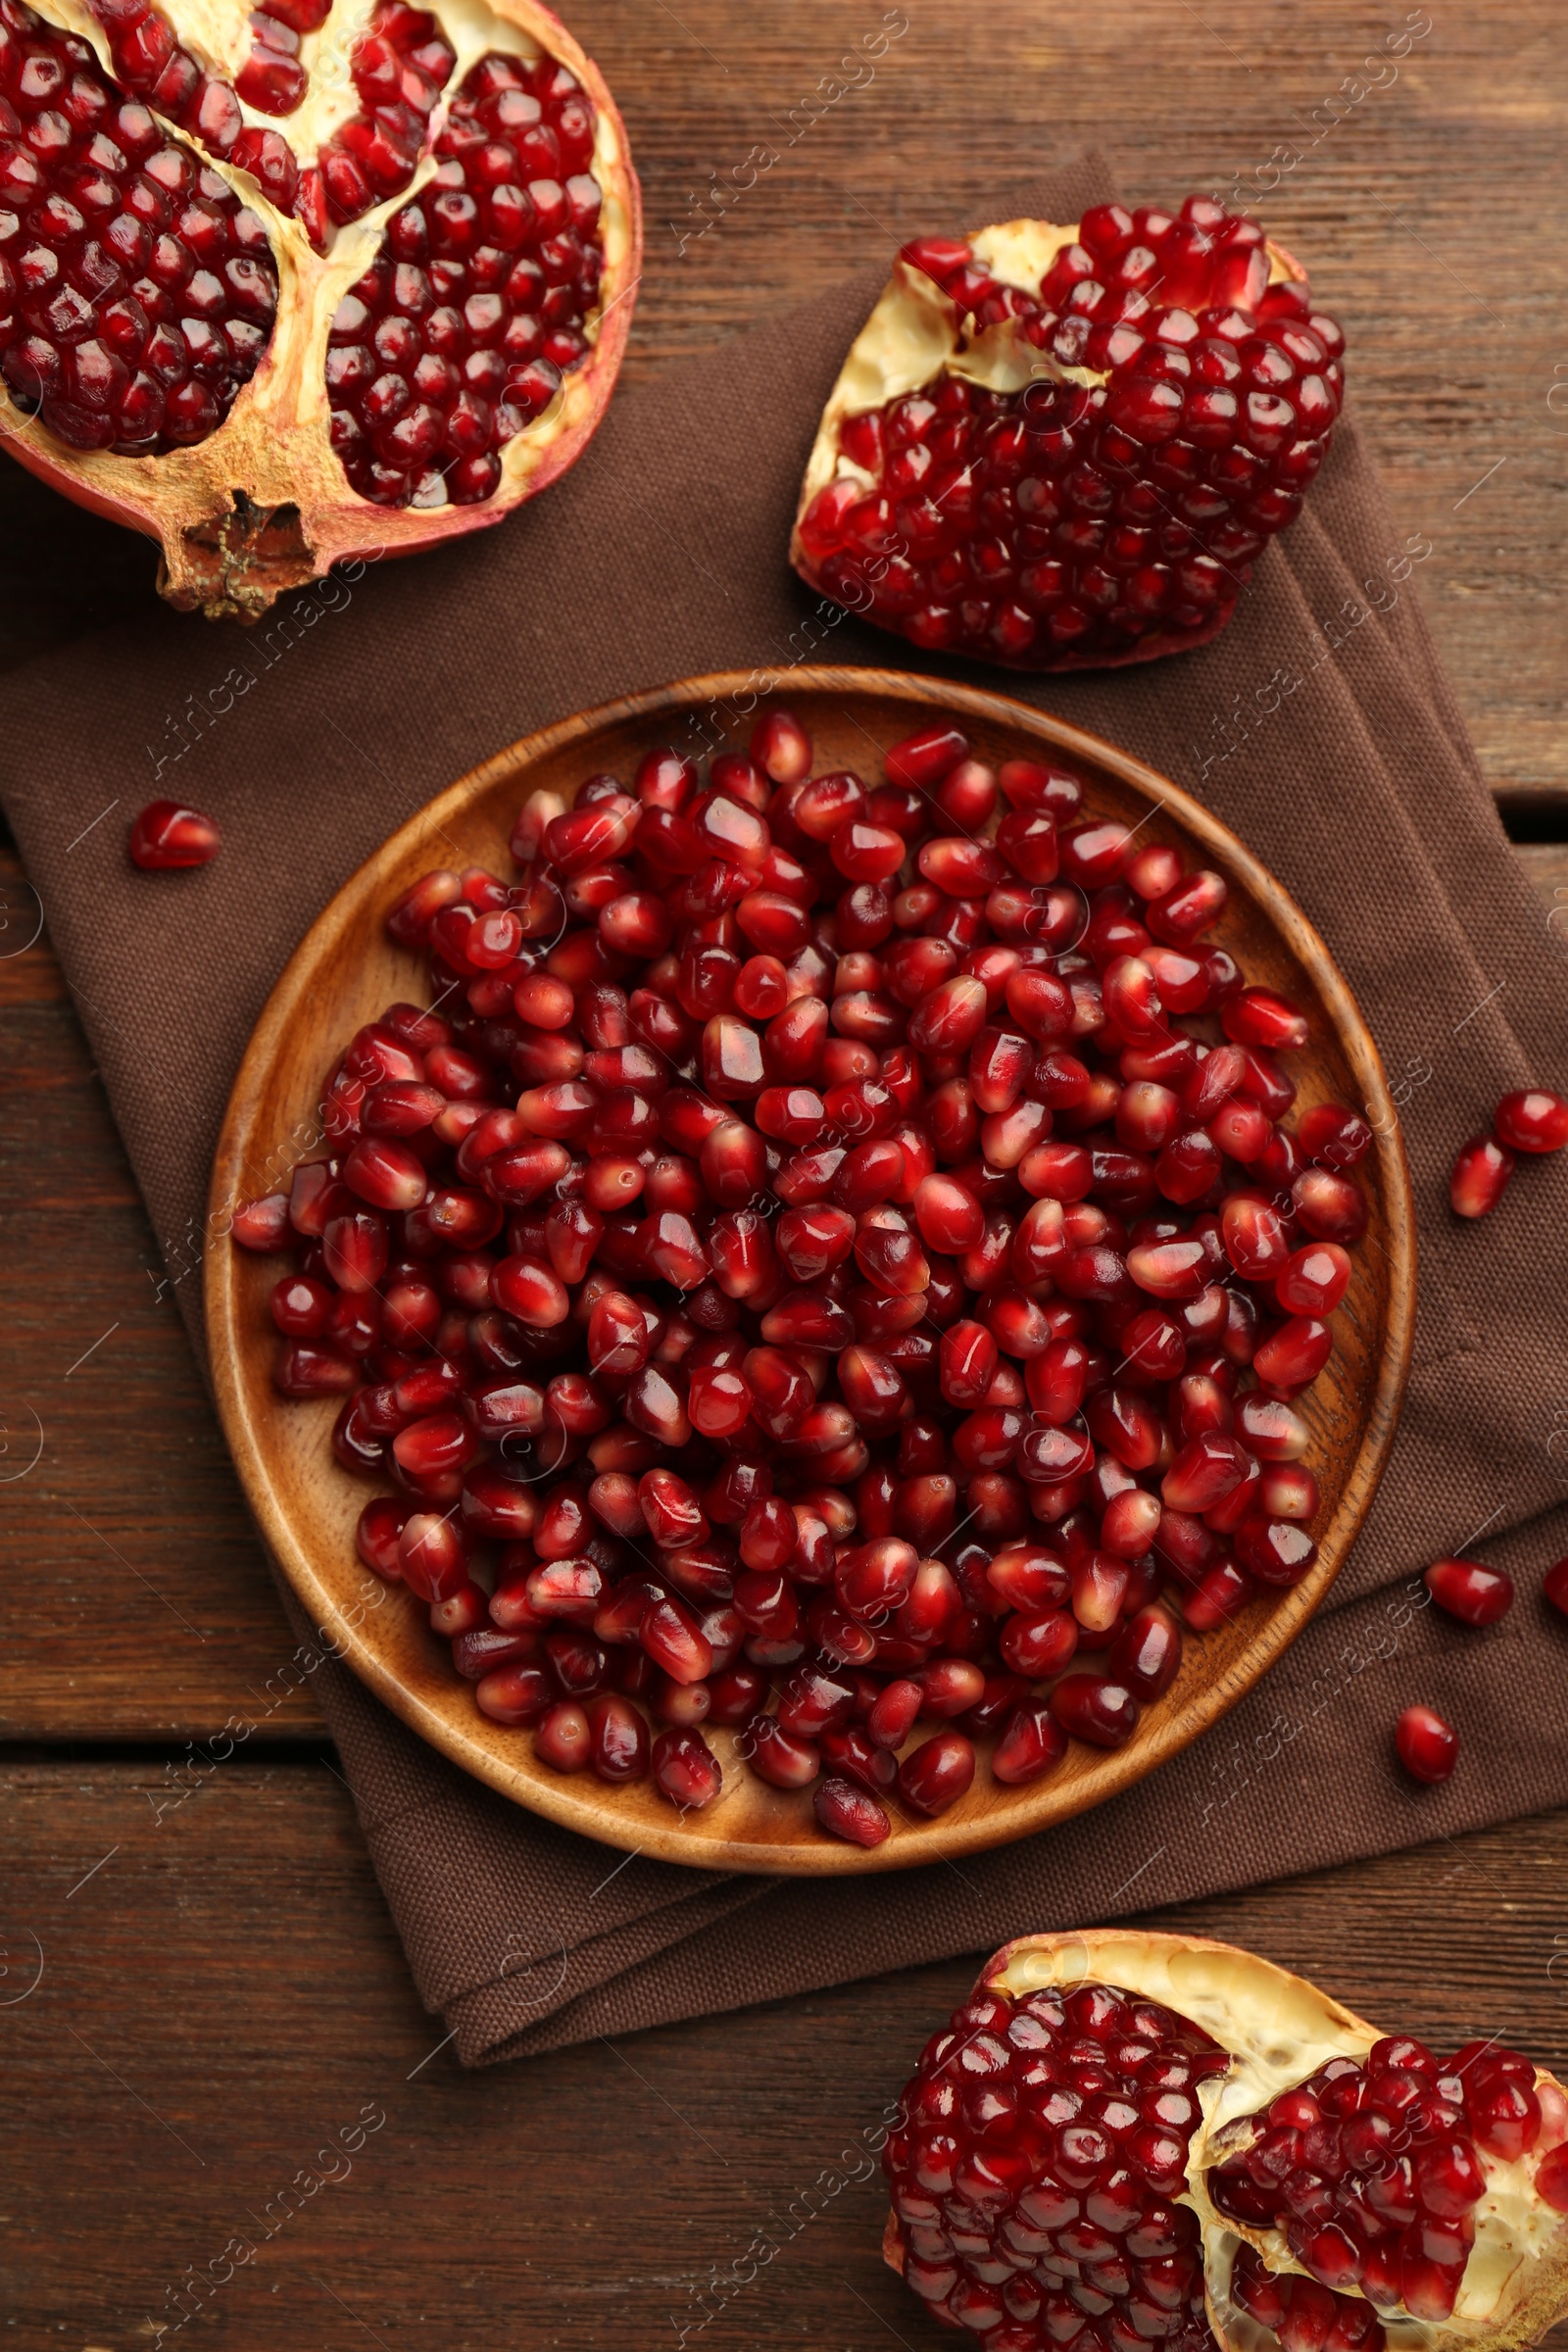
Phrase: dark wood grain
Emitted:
{"points": [[225, 1993]]}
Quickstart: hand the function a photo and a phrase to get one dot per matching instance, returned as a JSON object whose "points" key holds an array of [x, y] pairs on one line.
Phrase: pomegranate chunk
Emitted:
{"points": [[1056, 2148], [818, 1355], [1178, 395]]}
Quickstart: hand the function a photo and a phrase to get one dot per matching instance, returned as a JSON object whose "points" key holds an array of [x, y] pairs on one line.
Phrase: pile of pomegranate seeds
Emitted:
{"points": [[138, 292], [167, 835], [832, 1262], [1373, 2171], [1529, 1120], [1086, 514], [458, 335], [1036, 2169]]}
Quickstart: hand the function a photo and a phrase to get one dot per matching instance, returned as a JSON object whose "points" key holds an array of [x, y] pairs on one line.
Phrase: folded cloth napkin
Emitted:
{"points": [[1319, 727]]}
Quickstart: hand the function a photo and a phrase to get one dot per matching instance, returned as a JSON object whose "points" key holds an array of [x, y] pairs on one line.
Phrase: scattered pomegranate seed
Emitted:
{"points": [[1480, 1178], [1428, 1746], [1475, 1595], [167, 835], [1532, 1120], [950, 1457], [1555, 1585]]}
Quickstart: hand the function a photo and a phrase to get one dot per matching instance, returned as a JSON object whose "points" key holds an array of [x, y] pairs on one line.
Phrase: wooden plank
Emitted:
{"points": [[1419, 205], [134, 1599], [223, 1998]]}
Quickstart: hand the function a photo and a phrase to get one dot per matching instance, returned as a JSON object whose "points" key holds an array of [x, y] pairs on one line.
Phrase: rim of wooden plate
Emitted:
{"points": [[306, 1504]]}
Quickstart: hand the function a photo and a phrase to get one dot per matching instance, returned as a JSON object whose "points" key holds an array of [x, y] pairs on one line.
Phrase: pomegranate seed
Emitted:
{"points": [[937, 1773], [1551, 2179], [514, 1693], [1475, 1595], [1147, 1653], [432, 1557], [167, 836], [781, 746], [1554, 1585], [776, 1756], [1480, 1178], [848, 1812], [618, 1747], [921, 760], [563, 1738], [1093, 1708], [686, 1769], [1428, 1749], [1031, 1742], [1532, 1120]]}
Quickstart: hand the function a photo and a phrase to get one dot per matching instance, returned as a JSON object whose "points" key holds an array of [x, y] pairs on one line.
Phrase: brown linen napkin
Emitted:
{"points": [[1318, 725]]}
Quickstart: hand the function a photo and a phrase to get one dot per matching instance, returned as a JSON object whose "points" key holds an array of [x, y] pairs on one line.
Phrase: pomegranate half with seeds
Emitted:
{"points": [[1062, 448], [284, 286], [1126, 2140]]}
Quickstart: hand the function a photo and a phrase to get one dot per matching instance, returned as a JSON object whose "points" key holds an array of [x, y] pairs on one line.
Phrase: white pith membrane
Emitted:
{"points": [[1279, 2029], [273, 448], [917, 333]]}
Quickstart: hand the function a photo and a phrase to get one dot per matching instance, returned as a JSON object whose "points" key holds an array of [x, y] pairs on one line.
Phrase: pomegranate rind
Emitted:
{"points": [[915, 333], [263, 505], [1279, 2028]]}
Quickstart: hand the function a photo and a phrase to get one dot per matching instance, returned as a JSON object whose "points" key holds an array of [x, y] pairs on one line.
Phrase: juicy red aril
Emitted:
{"points": [[476, 307], [848, 1812], [935, 1774], [1532, 1120], [167, 835], [1096, 1709], [618, 1747], [1479, 1177], [1475, 1595], [144, 293], [686, 1769], [1429, 1748]]}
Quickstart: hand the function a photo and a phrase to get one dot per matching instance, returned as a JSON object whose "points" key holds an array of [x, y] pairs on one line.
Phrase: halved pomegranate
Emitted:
{"points": [[1066, 447], [1126, 2140], [284, 287]]}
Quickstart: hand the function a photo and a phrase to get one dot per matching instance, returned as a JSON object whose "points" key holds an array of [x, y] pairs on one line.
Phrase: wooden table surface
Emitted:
{"points": [[194, 2008]]}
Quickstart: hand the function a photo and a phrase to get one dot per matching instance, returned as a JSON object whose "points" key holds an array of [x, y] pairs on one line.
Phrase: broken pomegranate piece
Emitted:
{"points": [[1058, 448], [1127, 2139], [182, 282], [862, 1322]]}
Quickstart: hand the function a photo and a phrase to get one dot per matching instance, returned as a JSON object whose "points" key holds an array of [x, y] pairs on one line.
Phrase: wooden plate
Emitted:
{"points": [[347, 969]]}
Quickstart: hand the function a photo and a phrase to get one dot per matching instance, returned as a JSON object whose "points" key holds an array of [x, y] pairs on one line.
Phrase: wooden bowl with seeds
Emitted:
{"points": [[348, 968]]}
